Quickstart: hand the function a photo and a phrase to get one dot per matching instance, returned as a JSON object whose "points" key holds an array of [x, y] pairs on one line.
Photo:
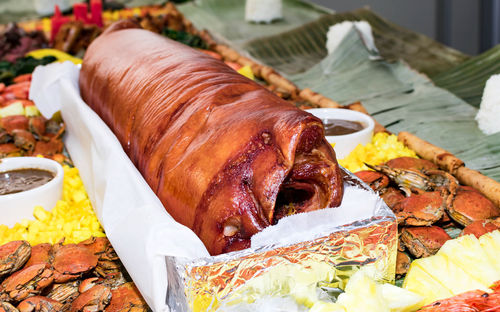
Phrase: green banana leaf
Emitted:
{"points": [[403, 100], [352, 65], [298, 42], [467, 80], [225, 19], [298, 49]]}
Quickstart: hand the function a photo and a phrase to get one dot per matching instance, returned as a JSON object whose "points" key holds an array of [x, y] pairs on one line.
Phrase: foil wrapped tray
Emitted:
{"points": [[206, 284]]}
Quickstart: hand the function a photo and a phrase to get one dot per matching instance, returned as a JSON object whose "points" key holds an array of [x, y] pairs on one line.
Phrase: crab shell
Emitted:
{"points": [[402, 263], [101, 247], [26, 282], [392, 196], [13, 255], [11, 123], [420, 209], [411, 163], [40, 254], [94, 299], [49, 148], [424, 241], [480, 227], [39, 303], [126, 298], [9, 150], [469, 205], [7, 307], [71, 261]]}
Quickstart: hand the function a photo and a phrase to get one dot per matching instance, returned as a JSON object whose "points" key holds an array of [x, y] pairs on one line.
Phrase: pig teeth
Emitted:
{"points": [[230, 230]]}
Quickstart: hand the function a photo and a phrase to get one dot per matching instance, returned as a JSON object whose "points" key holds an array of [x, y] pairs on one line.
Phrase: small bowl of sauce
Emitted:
{"points": [[26, 182], [346, 128], [341, 126]]}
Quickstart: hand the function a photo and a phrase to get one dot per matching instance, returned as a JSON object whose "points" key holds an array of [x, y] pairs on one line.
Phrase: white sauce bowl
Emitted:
{"points": [[344, 144], [17, 206]]}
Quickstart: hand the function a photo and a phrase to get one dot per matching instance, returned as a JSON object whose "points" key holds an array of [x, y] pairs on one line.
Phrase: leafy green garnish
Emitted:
{"points": [[24, 65], [191, 40]]}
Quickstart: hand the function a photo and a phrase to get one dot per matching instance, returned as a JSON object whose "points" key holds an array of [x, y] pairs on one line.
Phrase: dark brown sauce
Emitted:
{"points": [[15, 181], [341, 127]]}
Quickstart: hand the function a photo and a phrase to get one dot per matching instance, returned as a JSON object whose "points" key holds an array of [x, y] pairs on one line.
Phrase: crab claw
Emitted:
{"points": [[407, 180], [376, 180], [112, 281], [64, 293], [37, 126], [24, 139], [5, 137], [54, 128]]}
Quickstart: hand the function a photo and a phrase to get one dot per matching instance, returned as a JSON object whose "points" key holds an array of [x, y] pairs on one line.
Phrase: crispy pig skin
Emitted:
{"points": [[216, 147]]}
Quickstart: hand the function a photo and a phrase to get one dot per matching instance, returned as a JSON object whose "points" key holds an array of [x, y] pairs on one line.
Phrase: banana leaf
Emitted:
{"points": [[352, 74], [293, 45], [467, 80], [225, 19], [296, 50], [403, 100]]}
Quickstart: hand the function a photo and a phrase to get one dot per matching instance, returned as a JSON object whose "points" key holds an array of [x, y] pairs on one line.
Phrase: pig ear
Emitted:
{"points": [[124, 24]]}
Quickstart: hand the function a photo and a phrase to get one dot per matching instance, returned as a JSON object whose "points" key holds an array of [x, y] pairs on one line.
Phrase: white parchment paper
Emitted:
{"points": [[136, 223]]}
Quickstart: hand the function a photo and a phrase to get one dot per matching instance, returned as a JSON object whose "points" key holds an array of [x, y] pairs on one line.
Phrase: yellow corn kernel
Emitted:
{"points": [[81, 235], [41, 214], [3, 229]]}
